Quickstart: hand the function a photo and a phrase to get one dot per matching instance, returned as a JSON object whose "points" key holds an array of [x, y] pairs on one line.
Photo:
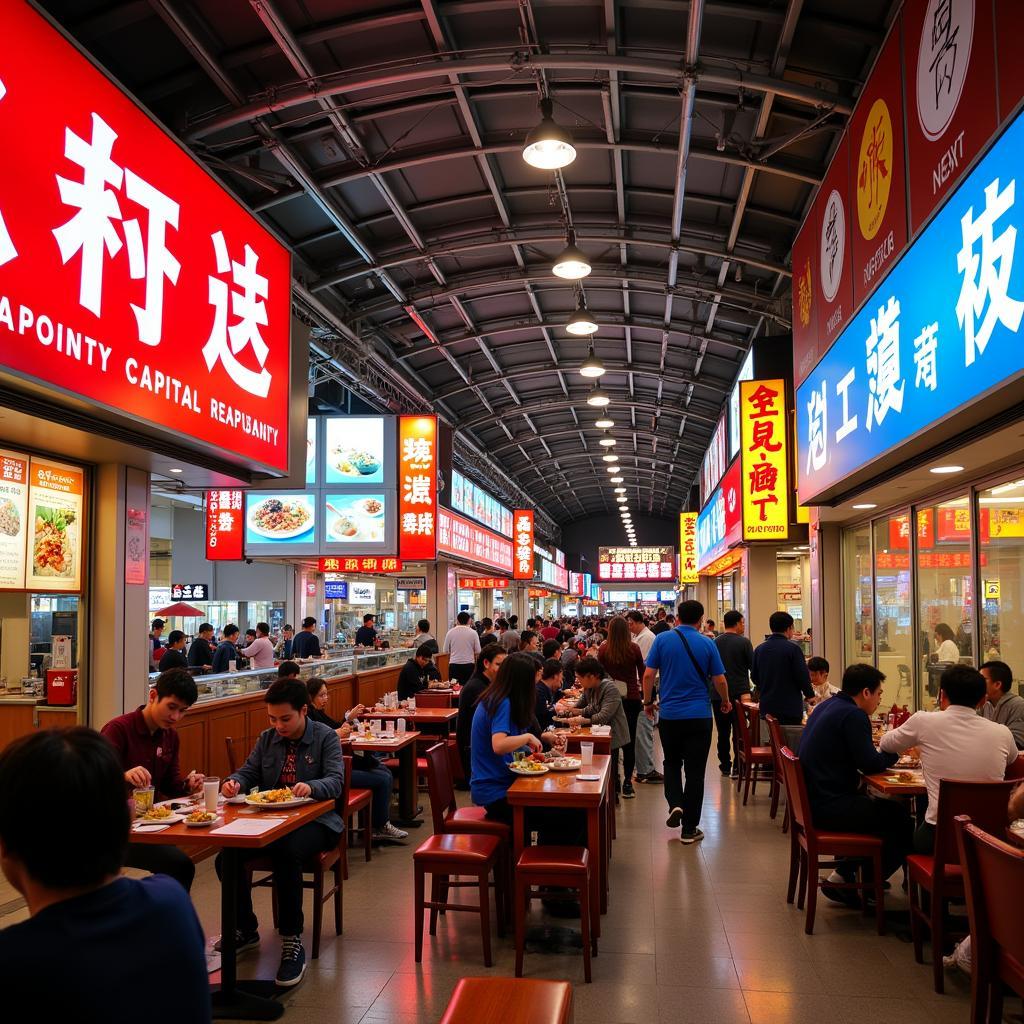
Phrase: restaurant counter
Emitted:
{"points": [[20, 715]]}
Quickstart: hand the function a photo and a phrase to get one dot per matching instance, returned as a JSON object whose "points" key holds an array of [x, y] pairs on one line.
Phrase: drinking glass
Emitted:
{"points": [[231, 665], [390, 727], [401, 726], [587, 753], [211, 788], [143, 797]]}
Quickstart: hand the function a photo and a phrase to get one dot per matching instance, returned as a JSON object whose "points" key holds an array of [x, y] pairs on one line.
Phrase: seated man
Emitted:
{"points": [[957, 744], [1002, 706], [549, 691], [417, 673], [304, 756], [147, 744], [817, 669], [835, 751], [484, 673], [89, 950]]}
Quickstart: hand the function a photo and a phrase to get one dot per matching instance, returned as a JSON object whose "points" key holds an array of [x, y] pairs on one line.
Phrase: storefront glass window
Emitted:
{"points": [[945, 590], [858, 618], [1001, 550], [893, 601]]}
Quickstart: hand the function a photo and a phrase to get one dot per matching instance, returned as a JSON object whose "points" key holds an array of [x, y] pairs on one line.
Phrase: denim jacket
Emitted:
{"points": [[318, 763]]}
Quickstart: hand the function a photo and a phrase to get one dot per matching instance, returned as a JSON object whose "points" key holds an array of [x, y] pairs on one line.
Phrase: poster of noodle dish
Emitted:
{"points": [[55, 520]]}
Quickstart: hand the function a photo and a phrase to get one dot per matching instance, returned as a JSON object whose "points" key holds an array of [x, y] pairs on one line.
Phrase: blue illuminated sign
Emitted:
{"points": [[939, 332], [336, 590]]}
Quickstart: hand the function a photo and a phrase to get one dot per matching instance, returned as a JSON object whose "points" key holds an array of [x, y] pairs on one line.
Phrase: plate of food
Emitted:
{"points": [[200, 818], [372, 508], [158, 816], [908, 762], [276, 799], [345, 528], [528, 768], [350, 462], [564, 764], [281, 518], [904, 779], [52, 550], [10, 518]]}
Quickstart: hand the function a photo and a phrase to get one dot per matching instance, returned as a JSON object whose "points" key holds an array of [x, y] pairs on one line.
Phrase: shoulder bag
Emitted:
{"points": [[704, 673]]}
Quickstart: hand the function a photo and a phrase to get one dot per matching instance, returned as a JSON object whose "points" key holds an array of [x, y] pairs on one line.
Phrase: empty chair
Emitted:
{"points": [[755, 760]]}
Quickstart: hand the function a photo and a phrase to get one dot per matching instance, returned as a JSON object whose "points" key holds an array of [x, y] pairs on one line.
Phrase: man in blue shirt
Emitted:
{"points": [[306, 643], [688, 663], [95, 941], [836, 751], [780, 673], [227, 650]]}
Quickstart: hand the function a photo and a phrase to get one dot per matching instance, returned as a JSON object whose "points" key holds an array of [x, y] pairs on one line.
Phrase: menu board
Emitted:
{"points": [[13, 510], [354, 450], [280, 522], [55, 512], [476, 503], [310, 451], [355, 518]]}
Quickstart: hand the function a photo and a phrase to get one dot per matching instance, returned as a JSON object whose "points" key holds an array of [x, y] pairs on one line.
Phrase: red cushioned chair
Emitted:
{"points": [[755, 760], [445, 855], [558, 867], [993, 881], [425, 699], [511, 1000], [359, 809], [808, 846], [940, 874], [330, 860], [777, 742]]}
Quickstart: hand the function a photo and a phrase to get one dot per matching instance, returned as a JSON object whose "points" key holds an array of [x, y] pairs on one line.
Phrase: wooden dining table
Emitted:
{"points": [[564, 790], [881, 783], [404, 749], [234, 999], [602, 743], [421, 716]]}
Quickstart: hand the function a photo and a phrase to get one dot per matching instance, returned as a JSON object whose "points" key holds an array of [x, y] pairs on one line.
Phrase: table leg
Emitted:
{"points": [[518, 834], [407, 796], [605, 851], [233, 1000], [596, 882]]}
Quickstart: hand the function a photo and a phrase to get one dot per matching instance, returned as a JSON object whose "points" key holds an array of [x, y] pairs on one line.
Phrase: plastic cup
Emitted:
{"points": [[375, 727], [412, 703], [143, 797], [400, 724], [211, 789], [390, 727], [587, 753], [232, 665]]}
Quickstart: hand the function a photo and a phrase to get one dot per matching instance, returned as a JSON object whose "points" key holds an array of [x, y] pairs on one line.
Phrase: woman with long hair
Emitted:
{"points": [[623, 661]]}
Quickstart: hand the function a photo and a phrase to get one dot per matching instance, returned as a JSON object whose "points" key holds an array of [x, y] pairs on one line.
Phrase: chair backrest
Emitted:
{"points": [[232, 745], [985, 802], [749, 723], [1016, 770], [993, 882], [796, 791], [433, 700], [439, 785], [346, 788], [777, 742]]}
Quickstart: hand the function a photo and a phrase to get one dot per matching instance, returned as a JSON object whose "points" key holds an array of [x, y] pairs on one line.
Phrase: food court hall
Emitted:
{"points": [[512, 509]]}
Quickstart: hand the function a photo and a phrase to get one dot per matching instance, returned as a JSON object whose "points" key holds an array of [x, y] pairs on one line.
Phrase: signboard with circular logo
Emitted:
{"points": [[832, 244], [943, 57]]}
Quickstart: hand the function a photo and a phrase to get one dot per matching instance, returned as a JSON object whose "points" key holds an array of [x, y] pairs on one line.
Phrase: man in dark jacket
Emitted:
{"points": [[200, 651], [417, 672], [737, 657], [484, 673], [780, 673], [836, 751], [174, 653], [227, 649]]}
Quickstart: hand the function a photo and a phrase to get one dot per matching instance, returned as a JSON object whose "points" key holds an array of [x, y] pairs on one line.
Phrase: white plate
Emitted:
{"points": [[169, 820], [240, 799], [513, 767], [204, 824], [360, 505], [280, 806], [588, 778], [573, 765], [345, 538], [280, 534]]}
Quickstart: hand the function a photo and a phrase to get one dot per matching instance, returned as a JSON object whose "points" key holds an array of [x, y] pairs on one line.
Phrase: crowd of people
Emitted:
{"points": [[521, 691]]}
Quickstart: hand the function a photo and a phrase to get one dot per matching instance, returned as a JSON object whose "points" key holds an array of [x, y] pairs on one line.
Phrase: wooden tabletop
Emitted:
{"points": [[1014, 836], [383, 745], [562, 789], [179, 834], [601, 742], [881, 783], [427, 715]]}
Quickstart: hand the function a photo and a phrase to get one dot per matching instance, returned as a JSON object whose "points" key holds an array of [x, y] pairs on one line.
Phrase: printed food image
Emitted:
{"points": [[278, 516], [372, 506], [355, 463], [344, 527], [52, 553], [10, 520]]}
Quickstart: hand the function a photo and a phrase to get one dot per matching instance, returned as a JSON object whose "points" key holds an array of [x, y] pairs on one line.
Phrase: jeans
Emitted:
{"points": [[162, 860], [379, 782], [554, 826], [643, 745], [887, 819], [686, 743], [289, 855], [728, 735], [460, 673], [633, 708]]}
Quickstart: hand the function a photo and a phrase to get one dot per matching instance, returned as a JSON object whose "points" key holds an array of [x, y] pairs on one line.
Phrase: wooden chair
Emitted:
{"points": [[754, 759], [237, 750], [940, 874], [425, 699], [808, 846], [776, 741], [359, 809], [331, 860], [993, 881], [555, 867], [511, 1000]]}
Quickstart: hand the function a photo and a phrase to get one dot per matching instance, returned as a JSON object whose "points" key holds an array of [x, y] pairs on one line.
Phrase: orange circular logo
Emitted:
{"points": [[874, 170]]}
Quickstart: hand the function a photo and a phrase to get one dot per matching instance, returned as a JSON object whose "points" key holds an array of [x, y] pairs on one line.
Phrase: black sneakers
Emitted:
{"points": [[628, 792], [691, 835], [675, 817], [243, 941], [293, 961]]}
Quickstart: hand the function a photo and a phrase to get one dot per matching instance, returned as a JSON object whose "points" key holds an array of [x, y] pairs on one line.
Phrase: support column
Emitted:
{"points": [[118, 656], [826, 564], [761, 576]]}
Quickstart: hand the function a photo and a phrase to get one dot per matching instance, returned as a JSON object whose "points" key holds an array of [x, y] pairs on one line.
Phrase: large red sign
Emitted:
{"points": [[417, 487], [225, 534], [732, 498], [522, 535], [949, 56], [878, 193], [360, 563], [462, 539], [1009, 47], [128, 276], [483, 583], [805, 300], [834, 284]]}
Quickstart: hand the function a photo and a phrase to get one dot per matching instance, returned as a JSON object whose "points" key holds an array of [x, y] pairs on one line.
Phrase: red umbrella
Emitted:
{"points": [[181, 609]]}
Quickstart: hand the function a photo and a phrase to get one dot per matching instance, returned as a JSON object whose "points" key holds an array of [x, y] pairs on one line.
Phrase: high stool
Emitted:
{"points": [[444, 855], [560, 867]]}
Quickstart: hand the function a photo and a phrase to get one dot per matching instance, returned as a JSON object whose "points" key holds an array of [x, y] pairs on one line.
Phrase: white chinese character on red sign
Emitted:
{"points": [[7, 250], [416, 490], [416, 450], [225, 522]]}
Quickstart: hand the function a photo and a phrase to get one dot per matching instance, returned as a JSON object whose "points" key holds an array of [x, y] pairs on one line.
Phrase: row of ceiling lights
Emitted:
{"points": [[550, 147], [937, 470]]}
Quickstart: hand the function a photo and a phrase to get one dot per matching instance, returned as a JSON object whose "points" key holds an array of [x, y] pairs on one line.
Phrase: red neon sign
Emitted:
{"points": [[224, 525], [522, 536], [417, 487], [363, 563]]}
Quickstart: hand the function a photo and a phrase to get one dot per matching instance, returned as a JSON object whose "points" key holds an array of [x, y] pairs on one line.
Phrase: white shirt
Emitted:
{"points": [[462, 644], [948, 651], [260, 652], [643, 640], [954, 744]]}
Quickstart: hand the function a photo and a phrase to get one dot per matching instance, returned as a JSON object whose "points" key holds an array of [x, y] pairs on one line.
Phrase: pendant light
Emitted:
{"points": [[549, 146], [570, 264], [581, 323], [598, 397], [592, 366]]}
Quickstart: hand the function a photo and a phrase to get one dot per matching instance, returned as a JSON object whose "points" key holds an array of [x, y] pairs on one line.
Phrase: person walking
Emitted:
{"points": [[643, 745], [780, 674], [623, 662], [737, 655], [462, 645], [687, 661]]}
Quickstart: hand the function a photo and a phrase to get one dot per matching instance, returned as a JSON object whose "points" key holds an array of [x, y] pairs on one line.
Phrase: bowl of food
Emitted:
{"points": [[365, 463], [200, 818], [370, 507], [345, 528]]}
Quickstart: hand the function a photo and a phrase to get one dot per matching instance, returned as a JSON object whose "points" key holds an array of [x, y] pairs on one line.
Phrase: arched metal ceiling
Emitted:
{"points": [[382, 141]]}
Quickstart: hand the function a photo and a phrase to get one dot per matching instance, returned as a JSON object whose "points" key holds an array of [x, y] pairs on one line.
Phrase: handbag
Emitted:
{"points": [[622, 687]]}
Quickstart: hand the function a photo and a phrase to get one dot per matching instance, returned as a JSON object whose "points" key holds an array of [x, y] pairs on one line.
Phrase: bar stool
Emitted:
{"points": [[444, 855], [566, 867]]}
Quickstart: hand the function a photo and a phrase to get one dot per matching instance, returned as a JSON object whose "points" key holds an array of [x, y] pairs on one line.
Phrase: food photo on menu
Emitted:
{"points": [[279, 518], [55, 518], [355, 518], [355, 450]]}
